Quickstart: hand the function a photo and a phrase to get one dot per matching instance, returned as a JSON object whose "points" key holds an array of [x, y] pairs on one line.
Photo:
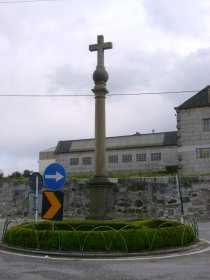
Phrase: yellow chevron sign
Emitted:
{"points": [[52, 205]]}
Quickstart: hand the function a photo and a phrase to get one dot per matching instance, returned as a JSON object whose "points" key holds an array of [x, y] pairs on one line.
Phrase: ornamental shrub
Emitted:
{"points": [[100, 236]]}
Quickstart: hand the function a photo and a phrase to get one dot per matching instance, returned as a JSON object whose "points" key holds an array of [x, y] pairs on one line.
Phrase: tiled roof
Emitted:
{"points": [[170, 138], [120, 142], [63, 146], [200, 99]]}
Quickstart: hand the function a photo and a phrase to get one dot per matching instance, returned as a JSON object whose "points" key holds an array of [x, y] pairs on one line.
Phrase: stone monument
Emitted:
{"points": [[100, 188]]}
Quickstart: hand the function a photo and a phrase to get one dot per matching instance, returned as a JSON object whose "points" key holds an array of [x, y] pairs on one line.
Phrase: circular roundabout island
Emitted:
{"points": [[98, 237]]}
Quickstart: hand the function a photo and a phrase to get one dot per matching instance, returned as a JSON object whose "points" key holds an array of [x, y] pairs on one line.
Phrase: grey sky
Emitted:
{"points": [[158, 45]]}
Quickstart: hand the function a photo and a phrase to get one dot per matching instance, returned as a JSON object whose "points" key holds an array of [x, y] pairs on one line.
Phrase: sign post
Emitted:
{"points": [[36, 183], [36, 199]]}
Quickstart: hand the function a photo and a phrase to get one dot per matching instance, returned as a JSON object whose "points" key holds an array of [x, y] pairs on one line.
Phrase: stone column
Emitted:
{"points": [[100, 189], [100, 135]]}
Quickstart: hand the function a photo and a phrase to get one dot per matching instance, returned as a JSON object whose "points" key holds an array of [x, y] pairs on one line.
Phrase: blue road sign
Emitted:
{"points": [[54, 176]]}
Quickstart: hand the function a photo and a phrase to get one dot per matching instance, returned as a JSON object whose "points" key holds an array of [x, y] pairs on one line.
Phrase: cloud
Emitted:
{"points": [[193, 70], [179, 18], [71, 79], [41, 126], [157, 46], [140, 114]]}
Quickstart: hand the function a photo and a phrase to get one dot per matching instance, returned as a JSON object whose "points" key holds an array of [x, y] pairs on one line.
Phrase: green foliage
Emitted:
{"points": [[80, 176], [140, 174], [86, 225], [21, 237], [100, 236], [170, 170], [27, 173], [155, 223], [15, 174]]}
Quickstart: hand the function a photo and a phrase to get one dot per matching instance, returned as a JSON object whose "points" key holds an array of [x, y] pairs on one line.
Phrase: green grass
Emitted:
{"points": [[126, 175]]}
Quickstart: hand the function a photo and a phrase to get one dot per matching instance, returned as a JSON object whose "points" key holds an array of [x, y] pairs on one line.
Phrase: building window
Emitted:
{"points": [[203, 153], [126, 158], [113, 159], [74, 161], [155, 156], [206, 124], [86, 160], [141, 157]]}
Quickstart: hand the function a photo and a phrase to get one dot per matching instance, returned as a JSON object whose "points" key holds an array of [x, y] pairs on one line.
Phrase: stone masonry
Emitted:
{"points": [[191, 137], [132, 198]]}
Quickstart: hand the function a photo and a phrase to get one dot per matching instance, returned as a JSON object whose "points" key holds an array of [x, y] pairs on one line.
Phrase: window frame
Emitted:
{"points": [[113, 159], [156, 156], [141, 157], [74, 161], [206, 124], [203, 153], [127, 158], [86, 161]]}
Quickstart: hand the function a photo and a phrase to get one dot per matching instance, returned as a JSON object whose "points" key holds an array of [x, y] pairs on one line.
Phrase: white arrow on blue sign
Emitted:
{"points": [[54, 176]]}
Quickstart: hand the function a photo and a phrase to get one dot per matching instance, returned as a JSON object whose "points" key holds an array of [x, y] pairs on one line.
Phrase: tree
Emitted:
{"points": [[27, 173], [15, 174], [1, 174]]}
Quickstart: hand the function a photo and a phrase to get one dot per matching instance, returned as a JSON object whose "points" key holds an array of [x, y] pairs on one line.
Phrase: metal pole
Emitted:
{"points": [[180, 195], [36, 198]]}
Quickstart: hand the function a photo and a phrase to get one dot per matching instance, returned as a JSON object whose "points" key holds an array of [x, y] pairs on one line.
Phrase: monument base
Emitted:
{"points": [[100, 199]]}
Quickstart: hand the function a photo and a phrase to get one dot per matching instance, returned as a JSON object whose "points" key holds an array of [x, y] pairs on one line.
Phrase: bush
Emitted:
{"points": [[172, 169], [104, 236]]}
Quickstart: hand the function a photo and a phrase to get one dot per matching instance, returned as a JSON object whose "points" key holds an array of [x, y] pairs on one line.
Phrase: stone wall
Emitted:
{"points": [[132, 198], [191, 136], [13, 197]]}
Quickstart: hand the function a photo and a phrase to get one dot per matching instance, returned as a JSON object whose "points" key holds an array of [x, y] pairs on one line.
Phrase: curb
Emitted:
{"points": [[200, 245]]}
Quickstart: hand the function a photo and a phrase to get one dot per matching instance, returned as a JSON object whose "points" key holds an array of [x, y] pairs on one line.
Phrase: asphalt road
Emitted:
{"points": [[179, 267]]}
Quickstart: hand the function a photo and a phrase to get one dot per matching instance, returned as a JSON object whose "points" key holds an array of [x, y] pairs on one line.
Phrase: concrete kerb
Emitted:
{"points": [[199, 246]]}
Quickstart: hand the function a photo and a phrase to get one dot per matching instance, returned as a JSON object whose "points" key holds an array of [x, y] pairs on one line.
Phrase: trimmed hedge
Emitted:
{"points": [[100, 236]]}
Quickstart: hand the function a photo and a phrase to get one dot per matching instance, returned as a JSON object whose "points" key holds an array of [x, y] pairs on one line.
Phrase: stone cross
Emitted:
{"points": [[100, 47], [100, 192]]}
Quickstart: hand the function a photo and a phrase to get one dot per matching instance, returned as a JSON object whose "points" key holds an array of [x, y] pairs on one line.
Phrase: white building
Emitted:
{"points": [[189, 146]]}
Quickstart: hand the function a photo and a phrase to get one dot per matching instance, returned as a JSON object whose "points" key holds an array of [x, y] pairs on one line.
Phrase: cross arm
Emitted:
{"points": [[106, 46], [93, 47]]}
